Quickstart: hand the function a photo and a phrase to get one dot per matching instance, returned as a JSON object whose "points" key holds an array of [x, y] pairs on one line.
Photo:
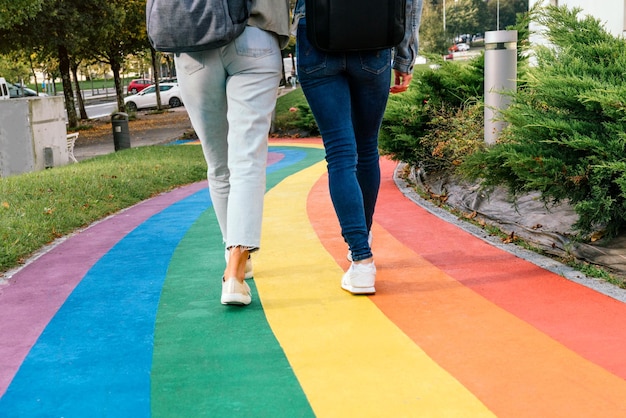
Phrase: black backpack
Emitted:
{"points": [[355, 25], [194, 25]]}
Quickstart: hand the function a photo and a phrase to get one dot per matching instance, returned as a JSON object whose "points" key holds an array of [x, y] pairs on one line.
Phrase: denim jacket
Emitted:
{"points": [[405, 52]]}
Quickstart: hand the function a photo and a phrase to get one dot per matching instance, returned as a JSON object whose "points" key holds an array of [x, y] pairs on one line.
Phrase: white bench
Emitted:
{"points": [[71, 140]]}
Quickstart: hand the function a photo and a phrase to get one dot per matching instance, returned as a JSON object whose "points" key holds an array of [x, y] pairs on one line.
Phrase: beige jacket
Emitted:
{"points": [[272, 16]]}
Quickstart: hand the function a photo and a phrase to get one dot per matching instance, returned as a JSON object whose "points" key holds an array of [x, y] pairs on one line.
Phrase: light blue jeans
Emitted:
{"points": [[230, 94]]}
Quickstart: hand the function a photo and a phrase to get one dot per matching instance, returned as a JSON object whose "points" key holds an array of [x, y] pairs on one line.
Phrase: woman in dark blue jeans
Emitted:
{"points": [[347, 93]]}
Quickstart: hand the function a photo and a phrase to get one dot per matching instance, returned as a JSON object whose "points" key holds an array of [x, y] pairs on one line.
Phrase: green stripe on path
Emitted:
{"points": [[212, 360]]}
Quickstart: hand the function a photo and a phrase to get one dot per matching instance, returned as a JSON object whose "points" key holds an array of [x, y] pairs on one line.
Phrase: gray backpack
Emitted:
{"points": [[194, 25]]}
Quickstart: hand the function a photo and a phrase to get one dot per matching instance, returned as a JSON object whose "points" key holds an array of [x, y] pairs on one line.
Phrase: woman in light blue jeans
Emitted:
{"points": [[230, 94], [347, 93]]}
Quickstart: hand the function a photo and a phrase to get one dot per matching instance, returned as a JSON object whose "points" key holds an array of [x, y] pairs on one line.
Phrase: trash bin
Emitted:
{"points": [[121, 134], [500, 78]]}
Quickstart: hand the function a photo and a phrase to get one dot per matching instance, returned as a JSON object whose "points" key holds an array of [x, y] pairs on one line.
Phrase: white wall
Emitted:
{"points": [[27, 127], [611, 13]]}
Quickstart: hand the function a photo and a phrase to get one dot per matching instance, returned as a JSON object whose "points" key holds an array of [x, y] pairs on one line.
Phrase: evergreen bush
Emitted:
{"points": [[567, 124], [438, 120]]}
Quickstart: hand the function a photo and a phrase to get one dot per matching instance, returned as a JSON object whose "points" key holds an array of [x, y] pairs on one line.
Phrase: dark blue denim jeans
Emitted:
{"points": [[347, 93]]}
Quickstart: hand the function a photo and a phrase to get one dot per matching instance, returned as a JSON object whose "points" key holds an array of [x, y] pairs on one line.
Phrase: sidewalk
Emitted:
{"points": [[123, 319], [157, 136]]}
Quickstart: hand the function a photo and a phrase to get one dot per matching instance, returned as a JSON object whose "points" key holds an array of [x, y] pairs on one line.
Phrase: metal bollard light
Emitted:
{"points": [[500, 78], [121, 134]]}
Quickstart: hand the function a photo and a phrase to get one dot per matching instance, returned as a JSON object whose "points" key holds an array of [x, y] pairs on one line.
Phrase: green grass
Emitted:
{"points": [[292, 99], [39, 207], [285, 119], [36, 208]]}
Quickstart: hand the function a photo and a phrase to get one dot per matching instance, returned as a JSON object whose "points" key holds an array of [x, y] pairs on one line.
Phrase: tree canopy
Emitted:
{"points": [[13, 12], [465, 17], [72, 31]]}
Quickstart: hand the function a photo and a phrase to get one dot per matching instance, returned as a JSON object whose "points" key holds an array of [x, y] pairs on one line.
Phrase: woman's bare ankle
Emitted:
{"points": [[236, 266]]}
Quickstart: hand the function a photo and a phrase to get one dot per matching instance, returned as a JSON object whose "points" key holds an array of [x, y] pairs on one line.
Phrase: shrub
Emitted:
{"points": [[438, 120], [306, 120], [293, 115], [566, 135], [453, 134]]}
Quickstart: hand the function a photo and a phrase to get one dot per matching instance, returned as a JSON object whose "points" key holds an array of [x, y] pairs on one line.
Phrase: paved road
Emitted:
{"points": [[100, 110]]}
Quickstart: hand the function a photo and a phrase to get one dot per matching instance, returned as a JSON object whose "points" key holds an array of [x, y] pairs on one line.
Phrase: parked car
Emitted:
{"points": [[464, 38], [459, 47], [16, 90], [170, 95], [137, 85], [4, 89]]}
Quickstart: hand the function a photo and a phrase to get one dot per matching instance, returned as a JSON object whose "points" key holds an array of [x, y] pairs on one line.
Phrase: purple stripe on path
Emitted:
{"points": [[36, 292]]}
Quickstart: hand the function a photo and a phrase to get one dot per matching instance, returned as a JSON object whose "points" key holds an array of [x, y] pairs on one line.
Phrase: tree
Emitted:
{"points": [[13, 66], [432, 38], [57, 29], [463, 17], [508, 13], [74, 30], [14, 12], [122, 33]]}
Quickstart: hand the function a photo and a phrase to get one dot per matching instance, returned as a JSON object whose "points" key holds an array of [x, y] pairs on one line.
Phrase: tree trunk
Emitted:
{"points": [[157, 75], [64, 67], [116, 65], [79, 94], [34, 74]]}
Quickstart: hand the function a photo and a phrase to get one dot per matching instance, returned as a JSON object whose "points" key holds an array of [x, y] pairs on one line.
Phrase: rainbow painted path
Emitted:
{"points": [[123, 319]]}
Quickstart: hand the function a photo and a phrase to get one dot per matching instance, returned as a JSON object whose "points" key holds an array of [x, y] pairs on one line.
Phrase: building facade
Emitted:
{"points": [[612, 13]]}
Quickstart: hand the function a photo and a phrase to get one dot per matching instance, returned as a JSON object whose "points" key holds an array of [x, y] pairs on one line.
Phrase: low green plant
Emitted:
{"points": [[438, 121], [305, 120], [293, 114], [591, 270], [288, 100], [453, 134], [38, 207], [567, 125]]}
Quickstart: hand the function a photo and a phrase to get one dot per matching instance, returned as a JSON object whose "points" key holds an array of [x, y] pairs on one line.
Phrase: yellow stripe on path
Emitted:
{"points": [[350, 359]]}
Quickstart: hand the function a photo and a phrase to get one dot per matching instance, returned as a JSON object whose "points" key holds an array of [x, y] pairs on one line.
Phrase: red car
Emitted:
{"points": [[459, 47], [136, 86]]}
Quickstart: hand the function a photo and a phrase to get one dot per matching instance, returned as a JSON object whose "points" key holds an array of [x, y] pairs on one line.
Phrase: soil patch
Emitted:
{"points": [[170, 124]]}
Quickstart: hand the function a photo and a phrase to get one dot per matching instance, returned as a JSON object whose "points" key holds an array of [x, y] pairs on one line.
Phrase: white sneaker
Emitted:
{"points": [[369, 242], [235, 292], [360, 279], [248, 269]]}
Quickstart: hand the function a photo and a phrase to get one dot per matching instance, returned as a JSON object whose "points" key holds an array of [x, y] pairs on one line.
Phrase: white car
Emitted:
{"points": [[463, 47], [146, 98]]}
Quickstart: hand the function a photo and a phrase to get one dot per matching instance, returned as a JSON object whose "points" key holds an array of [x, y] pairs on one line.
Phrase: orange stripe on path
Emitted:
{"points": [[584, 320], [459, 299]]}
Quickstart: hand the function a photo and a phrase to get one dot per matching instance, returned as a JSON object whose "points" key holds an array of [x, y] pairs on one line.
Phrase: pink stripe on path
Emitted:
{"points": [[36, 292]]}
